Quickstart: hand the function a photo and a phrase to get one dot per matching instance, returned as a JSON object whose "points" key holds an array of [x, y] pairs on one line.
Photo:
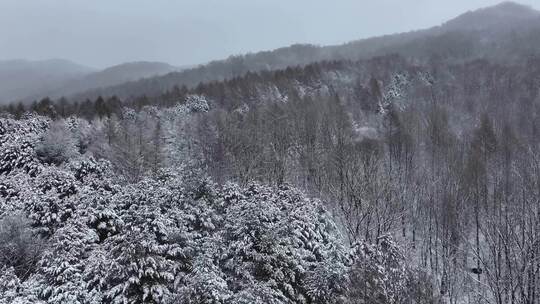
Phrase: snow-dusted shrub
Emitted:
{"points": [[381, 274], [17, 142], [9, 285], [63, 264], [83, 168], [197, 103], [20, 156], [7, 192], [56, 183], [19, 248], [105, 221], [57, 145], [140, 270], [81, 132]]}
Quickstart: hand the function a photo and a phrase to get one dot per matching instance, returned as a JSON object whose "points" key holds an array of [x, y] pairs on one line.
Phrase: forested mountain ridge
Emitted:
{"points": [[111, 76], [503, 16], [504, 32], [29, 80], [470, 36], [21, 78]]}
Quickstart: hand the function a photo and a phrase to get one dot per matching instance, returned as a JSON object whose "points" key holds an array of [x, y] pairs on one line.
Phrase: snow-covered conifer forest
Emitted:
{"points": [[396, 170]]}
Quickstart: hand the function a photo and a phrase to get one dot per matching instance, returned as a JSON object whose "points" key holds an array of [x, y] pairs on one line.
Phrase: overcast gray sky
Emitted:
{"points": [[100, 33]]}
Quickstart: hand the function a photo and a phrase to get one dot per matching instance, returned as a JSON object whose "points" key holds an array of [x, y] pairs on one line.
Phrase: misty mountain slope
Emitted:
{"points": [[114, 75], [56, 78], [500, 16], [21, 78], [216, 70], [468, 89], [505, 32]]}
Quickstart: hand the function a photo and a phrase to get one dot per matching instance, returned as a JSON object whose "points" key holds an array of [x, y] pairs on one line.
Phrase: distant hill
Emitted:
{"points": [[505, 33], [20, 78], [28, 80], [114, 75], [499, 16]]}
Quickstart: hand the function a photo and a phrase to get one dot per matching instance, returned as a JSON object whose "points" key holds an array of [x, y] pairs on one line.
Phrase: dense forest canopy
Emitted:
{"points": [[412, 176]]}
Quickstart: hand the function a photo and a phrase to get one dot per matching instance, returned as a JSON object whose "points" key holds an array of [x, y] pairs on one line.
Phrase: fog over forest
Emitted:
{"points": [[270, 152]]}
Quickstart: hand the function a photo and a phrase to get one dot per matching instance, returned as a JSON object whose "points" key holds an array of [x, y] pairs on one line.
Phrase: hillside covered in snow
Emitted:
{"points": [[73, 233], [402, 169]]}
